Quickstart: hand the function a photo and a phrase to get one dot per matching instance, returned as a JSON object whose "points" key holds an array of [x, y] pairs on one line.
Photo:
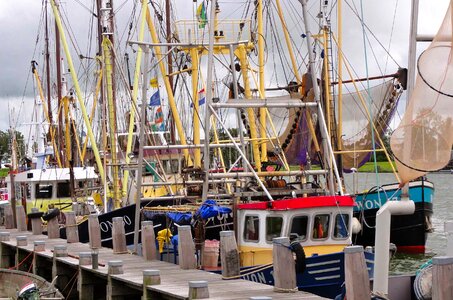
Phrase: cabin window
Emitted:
{"points": [[252, 228], [321, 226], [44, 191], [299, 226], [341, 226], [63, 190], [273, 227]]}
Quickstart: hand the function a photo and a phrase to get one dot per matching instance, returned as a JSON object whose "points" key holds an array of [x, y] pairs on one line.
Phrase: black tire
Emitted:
{"points": [[298, 250], [50, 214], [35, 215]]}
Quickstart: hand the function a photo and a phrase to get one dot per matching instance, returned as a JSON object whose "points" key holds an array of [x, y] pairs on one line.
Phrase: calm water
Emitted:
{"points": [[443, 211]]}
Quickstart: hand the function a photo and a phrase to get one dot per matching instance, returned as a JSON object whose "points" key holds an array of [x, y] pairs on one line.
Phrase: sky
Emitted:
{"points": [[20, 21]]}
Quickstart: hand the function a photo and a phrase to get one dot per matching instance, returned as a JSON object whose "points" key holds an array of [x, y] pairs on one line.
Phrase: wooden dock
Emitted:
{"points": [[120, 276]]}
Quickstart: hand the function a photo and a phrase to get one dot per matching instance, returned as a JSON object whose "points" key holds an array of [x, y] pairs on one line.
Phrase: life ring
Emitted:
{"points": [[50, 214], [299, 253], [35, 215]]}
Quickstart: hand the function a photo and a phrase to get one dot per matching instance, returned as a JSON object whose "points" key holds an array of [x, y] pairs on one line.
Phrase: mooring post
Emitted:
{"points": [[72, 232], [150, 277], [198, 290], [53, 229], [356, 273], [442, 278], [4, 236], [9, 217], [229, 254], [21, 240], [36, 222], [115, 267], [118, 236], [94, 232], [39, 246], [21, 220], [186, 248], [148, 241], [84, 258], [448, 226], [58, 251], [284, 266]]}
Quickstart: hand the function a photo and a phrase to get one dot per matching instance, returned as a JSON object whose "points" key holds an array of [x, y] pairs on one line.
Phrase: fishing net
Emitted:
{"points": [[423, 140], [356, 131]]}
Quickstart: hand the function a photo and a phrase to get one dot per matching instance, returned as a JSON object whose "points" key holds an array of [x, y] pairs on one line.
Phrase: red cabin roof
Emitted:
{"points": [[298, 203]]}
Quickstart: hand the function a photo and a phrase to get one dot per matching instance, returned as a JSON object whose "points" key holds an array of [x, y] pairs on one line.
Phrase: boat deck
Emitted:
{"points": [[84, 282]]}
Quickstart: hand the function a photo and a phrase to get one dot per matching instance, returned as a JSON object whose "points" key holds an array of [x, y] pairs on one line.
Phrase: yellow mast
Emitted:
{"points": [[196, 110], [106, 44], [78, 92], [141, 35], [171, 99], [51, 129], [327, 82], [261, 79], [241, 54]]}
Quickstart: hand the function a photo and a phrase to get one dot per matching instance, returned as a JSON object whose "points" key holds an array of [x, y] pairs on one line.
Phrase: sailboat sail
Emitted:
{"points": [[423, 140]]}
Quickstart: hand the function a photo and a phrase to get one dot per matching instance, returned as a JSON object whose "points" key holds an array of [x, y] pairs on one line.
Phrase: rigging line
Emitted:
{"points": [[372, 33], [369, 98], [87, 8], [391, 34]]}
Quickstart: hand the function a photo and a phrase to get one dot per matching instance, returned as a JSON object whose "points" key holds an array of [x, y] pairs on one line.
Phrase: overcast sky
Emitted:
{"points": [[20, 19]]}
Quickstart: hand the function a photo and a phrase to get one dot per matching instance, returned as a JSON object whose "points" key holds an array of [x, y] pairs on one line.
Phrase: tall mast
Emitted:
{"points": [[412, 49], [49, 103], [169, 65], [59, 88], [261, 79]]}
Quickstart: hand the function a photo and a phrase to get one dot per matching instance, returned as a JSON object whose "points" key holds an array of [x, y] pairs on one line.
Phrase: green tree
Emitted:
{"points": [[5, 145]]}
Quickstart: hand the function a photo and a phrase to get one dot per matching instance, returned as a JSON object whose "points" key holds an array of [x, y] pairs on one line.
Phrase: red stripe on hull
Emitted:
{"points": [[299, 203], [411, 249]]}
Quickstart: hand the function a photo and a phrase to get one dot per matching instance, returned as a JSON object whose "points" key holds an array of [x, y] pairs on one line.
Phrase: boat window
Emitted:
{"points": [[63, 190], [252, 228], [321, 226], [44, 191], [341, 226], [299, 226], [273, 227]]}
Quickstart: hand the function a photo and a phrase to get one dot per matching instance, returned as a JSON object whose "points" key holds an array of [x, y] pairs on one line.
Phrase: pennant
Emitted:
{"points": [[201, 98], [153, 82], [201, 15], [155, 99], [159, 116]]}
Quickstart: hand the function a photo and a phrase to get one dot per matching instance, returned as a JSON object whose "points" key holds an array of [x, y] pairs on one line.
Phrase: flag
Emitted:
{"points": [[153, 82], [201, 98], [201, 15], [159, 116], [155, 99]]}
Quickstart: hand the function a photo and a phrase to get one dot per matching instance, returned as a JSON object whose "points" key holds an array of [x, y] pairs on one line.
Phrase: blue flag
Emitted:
{"points": [[155, 99]]}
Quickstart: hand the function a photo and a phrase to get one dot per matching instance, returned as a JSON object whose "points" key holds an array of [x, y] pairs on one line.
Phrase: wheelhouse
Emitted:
{"points": [[41, 188], [321, 224]]}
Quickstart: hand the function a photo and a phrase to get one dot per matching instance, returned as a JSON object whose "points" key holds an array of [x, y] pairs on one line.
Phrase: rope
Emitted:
{"points": [[20, 264]]}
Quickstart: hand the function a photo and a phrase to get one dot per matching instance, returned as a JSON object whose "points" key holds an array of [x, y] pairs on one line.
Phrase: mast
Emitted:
{"points": [[59, 87], [411, 66], [261, 79], [49, 102], [169, 66]]}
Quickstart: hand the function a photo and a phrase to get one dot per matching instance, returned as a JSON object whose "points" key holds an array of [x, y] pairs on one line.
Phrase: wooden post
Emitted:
{"points": [[229, 254], [9, 217], [442, 278], [21, 240], [53, 230], [186, 248], [84, 258], [36, 223], [115, 267], [39, 246], [148, 241], [119, 236], [150, 277], [60, 251], [21, 220], [284, 266], [72, 232], [356, 273], [198, 290], [94, 232], [4, 236]]}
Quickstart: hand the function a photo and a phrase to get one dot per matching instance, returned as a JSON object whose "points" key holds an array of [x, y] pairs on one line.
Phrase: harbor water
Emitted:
{"points": [[443, 211]]}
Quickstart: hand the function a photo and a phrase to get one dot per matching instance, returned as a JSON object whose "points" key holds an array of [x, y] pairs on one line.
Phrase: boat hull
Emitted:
{"points": [[408, 232], [323, 276]]}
